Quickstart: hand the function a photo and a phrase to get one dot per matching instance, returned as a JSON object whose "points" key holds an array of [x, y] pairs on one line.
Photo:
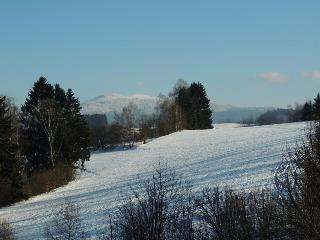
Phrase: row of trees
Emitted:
{"points": [[186, 107], [49, 131], [127, 128], [166, 207], [309, 111]]}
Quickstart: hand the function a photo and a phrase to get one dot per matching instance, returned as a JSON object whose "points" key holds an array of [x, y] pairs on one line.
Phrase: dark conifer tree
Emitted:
{"points": [[307, 111], [6, 132], [54, 129], [77, 131], [41, 90], [10, 162], [60, 95], [61, 99], [201, 117], [34, 141], [316, 108]]}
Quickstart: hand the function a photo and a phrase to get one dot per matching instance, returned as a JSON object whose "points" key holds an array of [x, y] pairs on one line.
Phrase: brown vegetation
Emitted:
{"points": [[48, 180]]}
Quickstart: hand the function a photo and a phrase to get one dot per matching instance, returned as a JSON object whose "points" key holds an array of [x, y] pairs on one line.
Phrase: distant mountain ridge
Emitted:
{"points": [[109, 104], [231, 114]]}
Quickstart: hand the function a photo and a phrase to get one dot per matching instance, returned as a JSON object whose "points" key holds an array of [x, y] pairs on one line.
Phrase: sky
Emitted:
{"points": [[246, 53]]}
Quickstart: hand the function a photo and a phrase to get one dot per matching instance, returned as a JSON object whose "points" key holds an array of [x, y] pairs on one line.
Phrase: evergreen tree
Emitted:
{"points": [[10, 163], [41, 90], [316, 108], [201, 117], [61, 100], [307, 111], [34, 140], [77, 138], [60, 95], [54, 129]]}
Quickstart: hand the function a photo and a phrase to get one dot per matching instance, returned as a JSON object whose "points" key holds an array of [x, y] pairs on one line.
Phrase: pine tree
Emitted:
{"points": [[54, 129], [307, 111], [201, 117], [10, 163], [41, 90], [316, 108], [60, 95], [6, 132], [34, 139], [77, 138]]}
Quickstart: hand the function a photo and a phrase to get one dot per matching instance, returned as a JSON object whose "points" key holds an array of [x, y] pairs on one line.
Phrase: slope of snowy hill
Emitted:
{"points": [[228, 155]]}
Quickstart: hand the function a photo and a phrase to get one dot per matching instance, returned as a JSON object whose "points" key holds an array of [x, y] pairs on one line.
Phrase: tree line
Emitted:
{"points": [[309, 111], [186, 107], [42, 143]]}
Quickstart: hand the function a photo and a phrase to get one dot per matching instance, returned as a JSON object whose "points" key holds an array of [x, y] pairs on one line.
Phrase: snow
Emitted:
{"points": [[228, 155], [110, 103]]}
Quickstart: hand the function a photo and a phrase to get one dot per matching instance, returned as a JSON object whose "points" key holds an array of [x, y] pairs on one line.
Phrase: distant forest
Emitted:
{"points": [[309, 111]]}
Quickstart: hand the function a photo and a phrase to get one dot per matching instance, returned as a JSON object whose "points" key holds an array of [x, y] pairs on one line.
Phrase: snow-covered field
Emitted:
{"points": [[239, 157]]}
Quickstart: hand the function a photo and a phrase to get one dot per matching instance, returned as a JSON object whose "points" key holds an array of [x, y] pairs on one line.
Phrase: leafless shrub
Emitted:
{"points": [[66, 224], [223, 215], [298, 184], [6, 231], [160, 208], [108, 232], [232, 215], [265, 215]]}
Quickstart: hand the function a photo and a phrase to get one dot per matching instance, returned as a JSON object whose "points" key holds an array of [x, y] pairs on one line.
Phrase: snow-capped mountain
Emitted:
{"points": [[109, 104]]}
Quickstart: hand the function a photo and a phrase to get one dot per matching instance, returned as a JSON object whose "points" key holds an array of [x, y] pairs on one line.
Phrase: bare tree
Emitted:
{"points": [[127, 119], [147, 126], [159, 208], [166, 112], [109, 230], [297, 183], [6, 231], [66, 224], [224, 215], [50, 118]]}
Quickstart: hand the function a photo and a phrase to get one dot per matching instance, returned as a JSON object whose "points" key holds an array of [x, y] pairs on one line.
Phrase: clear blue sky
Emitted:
{"points": [[247, 53]]}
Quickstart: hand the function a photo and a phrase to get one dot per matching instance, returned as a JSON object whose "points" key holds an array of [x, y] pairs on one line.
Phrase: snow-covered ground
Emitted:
{"points": [[239, 157]]}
